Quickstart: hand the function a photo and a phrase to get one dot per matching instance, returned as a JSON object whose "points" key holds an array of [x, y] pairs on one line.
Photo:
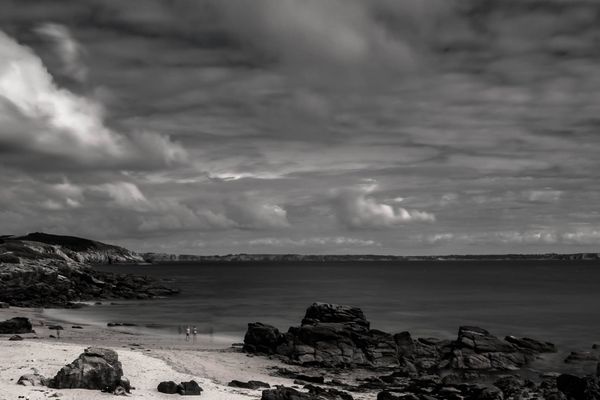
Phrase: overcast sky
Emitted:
{"points": [[303, 126]]}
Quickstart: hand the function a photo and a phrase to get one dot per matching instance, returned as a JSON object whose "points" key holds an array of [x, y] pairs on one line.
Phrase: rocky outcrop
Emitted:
{"points": [[340, 336], [16, 325], [96, 368], [190, 388], [55, 283]]}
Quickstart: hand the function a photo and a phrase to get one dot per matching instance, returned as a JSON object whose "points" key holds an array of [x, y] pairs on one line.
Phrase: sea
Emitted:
{"points": [[557, 301]]}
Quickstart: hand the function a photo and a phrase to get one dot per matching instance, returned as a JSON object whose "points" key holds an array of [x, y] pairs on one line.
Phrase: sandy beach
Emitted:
{"points": [[147, 360]]}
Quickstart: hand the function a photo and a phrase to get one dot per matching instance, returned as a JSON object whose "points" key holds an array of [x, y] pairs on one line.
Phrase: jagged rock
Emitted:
{"points": [[532, 345], [581, 356], [168, 387], [510, 386], [481, 341], [96, 368], [34, 379], [249, 385], [190, 388], [15, 338], [334, 313], [286, 393], [16, 325]]}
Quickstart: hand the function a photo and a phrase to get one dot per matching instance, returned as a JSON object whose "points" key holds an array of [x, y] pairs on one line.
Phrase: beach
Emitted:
{"points": [[147, 360]]}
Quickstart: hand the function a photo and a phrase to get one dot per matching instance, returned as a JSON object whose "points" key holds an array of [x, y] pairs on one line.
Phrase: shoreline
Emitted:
{"points": [[147, 360]]}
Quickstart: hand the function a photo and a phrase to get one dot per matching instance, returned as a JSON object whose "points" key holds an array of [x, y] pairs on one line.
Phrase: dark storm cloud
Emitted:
{"points": [[419, 126]]}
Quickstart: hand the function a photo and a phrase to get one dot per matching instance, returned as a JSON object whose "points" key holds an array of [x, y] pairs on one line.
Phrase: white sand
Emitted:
{"points": [[152, 360]]}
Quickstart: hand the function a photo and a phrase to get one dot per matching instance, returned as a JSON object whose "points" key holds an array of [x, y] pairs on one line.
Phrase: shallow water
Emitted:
{"points": [[550, 300]]}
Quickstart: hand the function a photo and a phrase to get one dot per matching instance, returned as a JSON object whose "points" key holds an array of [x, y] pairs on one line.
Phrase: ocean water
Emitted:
{"points": [[558, 301]]}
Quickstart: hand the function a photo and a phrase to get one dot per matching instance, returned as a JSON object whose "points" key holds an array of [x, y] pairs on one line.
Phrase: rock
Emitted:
{"points": [[488, 393], [96, 368], [581, 356], [528, 344], [328, 393], [15, 338], [262, 338], [16, 325], [34, 379], [334, 313], [249, 385], [511, 386], [4, 305], [76, 327], [168, 387], [286, 393], [481, 341], [577, 388], [125, 384], [190, 388]]}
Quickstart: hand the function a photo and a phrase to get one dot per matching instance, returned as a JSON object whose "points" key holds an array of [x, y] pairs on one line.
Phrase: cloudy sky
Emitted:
{"points": [[303, 126]]}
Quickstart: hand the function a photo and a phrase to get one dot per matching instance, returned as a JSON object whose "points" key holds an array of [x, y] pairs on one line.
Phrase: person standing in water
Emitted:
{"points": [[187, 334], [194, 333]]}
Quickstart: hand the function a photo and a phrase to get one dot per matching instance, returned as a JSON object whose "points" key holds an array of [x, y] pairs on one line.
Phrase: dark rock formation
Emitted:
{"points": [[96, 368], [581, 356], [53, 271], [249, 385], [168, 387], [190, 388], [15, 338], [262, 338], [16, 325], [535, 346], [340, 336], [286, 393]]}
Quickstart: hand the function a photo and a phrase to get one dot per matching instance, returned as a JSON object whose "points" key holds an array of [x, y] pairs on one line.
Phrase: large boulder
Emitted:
{"points": [[168, 387], [262, 338], [16, 325], [190, 388], [96, 368]]}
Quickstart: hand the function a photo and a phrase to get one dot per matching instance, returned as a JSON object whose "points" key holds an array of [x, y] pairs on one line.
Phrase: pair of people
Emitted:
{"points": [[189, 330]]}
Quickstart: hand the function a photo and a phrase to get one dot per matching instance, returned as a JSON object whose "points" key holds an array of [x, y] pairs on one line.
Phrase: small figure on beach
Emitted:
{"points": [[187, 334], [194, 333]]}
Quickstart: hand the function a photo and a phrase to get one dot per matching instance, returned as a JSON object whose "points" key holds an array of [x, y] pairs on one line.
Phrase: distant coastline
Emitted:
{"points": [[243, 257]]}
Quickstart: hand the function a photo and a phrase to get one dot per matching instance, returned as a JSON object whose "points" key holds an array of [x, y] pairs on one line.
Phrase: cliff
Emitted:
{"points": [[42, 270]]}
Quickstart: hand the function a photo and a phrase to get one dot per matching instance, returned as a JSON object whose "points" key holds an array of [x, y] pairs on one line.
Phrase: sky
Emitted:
{"points": [[407, 127]]}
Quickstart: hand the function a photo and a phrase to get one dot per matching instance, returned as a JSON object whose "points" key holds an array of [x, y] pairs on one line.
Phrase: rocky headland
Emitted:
{"points": [[42, 270]]}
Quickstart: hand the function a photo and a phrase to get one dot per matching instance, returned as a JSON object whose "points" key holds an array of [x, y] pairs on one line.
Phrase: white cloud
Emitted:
{"points": [[358, 208], [67, 47], [314, 241], [37, 116]]}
